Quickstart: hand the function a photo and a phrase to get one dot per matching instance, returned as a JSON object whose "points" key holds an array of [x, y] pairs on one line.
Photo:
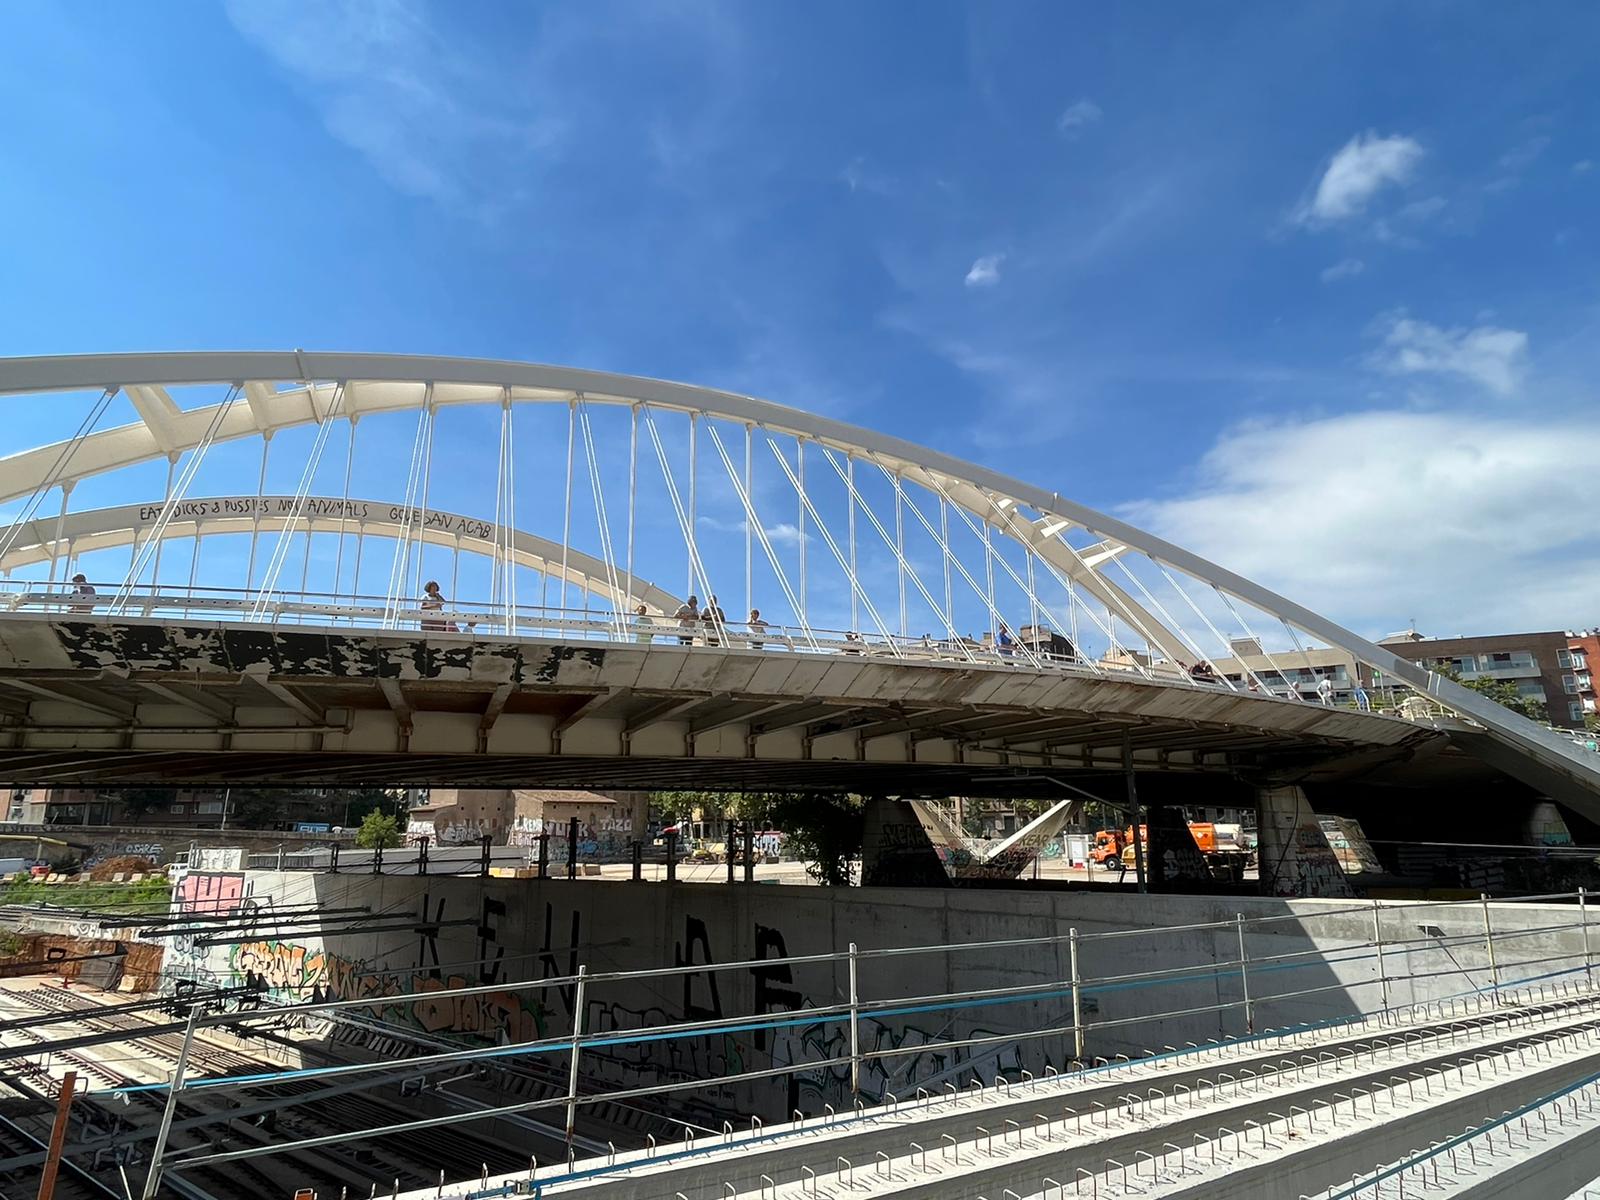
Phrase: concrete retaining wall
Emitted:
{"points": [[471, 930]]}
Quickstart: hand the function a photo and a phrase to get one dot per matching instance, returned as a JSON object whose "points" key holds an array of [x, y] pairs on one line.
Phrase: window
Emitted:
{"points": [[1563, 658], [1575, 710], [1569, 684]]}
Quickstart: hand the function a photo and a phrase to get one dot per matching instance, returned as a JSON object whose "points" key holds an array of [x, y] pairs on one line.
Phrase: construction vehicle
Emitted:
{"points": [[1222, 846]]}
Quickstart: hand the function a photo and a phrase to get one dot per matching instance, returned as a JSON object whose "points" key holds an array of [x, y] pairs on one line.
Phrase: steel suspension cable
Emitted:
{"points": [[1253, 636], [255, 518], [596, 486], [1191, 644], [691, 545], [749, 537], [827, 537], [158, 530], [421, 525], [946, 503], [344, 506], [696, 567], [633, 484], [1204, 618], [399, 561], [61, 521], [799, 481], [280, 550], [566, 515], [51, 476], [753, 521], [1013, 520], [850, 485], [944, 615], [977, 588], [155, 572], [496, 561]]}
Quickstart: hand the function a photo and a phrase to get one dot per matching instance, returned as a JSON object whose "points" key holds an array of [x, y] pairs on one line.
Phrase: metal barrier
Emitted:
{"points": [[469, 620], [1507, 968]]}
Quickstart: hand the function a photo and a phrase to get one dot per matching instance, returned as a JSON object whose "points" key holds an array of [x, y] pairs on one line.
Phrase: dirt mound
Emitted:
{"points": [[125, 864]]}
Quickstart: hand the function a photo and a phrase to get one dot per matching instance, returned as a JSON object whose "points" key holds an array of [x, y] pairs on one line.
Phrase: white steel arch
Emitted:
{"points": [[88, 530], [390, 383]]}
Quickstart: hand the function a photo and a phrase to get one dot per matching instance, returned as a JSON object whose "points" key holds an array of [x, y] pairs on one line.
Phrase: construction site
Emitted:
{"points": [[376, 1031]]}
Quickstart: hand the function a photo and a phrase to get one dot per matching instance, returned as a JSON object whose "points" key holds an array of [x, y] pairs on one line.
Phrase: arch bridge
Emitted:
{"points": [[870, 614]]}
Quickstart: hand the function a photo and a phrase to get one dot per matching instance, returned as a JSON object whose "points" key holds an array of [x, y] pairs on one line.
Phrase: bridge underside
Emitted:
{"points": [[94, 701]]}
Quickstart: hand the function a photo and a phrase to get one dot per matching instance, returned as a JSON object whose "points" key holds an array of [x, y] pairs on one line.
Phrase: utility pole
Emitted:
{"points": [[58, 1137], [1133, 811]]}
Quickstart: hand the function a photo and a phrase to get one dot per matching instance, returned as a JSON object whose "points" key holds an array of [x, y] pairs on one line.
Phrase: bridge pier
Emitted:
{"points": [[1292, 854]]}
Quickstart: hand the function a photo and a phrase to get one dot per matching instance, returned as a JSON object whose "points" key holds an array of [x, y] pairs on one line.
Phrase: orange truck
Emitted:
{"points": [[1214, 842]]}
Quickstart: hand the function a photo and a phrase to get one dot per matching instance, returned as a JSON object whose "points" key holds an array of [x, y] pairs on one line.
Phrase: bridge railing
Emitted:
{"points": [[471, 620]]}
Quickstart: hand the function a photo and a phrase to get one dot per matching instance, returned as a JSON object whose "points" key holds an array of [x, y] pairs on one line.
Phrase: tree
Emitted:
{"points": [[1503, 693], [379, 831], [824, 828], [139, 802]]}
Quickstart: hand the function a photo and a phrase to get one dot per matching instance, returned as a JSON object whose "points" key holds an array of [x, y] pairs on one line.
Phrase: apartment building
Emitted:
{"points": [[1578, 668], [1294, 671], [1537, 664]]}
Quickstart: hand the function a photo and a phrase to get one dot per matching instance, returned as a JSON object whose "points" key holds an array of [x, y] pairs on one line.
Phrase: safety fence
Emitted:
{"points": [[470, 620], [1253, 969]]}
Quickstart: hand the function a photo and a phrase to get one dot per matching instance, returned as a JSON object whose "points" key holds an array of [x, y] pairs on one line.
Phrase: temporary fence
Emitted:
{"points": [[1399, 960]]}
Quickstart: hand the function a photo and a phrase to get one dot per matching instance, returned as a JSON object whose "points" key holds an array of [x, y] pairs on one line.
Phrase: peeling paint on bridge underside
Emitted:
{"points": [[93, 646]]}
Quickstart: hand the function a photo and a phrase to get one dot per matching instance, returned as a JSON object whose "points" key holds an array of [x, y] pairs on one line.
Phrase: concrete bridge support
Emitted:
{"points": [[1292, 852]]}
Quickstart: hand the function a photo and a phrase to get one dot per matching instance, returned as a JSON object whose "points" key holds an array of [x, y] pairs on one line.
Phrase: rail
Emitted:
{"points": [[470, 621], [1456, 954]]}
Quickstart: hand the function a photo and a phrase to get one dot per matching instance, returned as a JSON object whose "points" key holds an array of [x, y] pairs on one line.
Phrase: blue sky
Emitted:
{"points": [[1310, 288]]}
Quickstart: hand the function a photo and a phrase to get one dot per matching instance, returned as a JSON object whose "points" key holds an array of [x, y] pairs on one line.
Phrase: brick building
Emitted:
{"points": [[1577, 680], [1534, 663]]}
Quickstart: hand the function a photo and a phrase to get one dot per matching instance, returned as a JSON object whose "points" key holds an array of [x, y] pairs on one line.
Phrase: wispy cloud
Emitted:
{"points": [[1492, 357], [1359, 171], [429, 118], [1078, 117], [1583, 166], [985, 272], [860, 176], [1520, 158], [1345, 268]]}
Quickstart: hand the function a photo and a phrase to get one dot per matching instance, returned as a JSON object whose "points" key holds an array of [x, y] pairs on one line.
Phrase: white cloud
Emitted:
{"points": [[860, 176], [1365, 165], [1487, 355], [782, 533], [390, 86], [1583, 166], [1345, 268], [1470, 524], [985, 272], [1524, 156], [1078, 117]]}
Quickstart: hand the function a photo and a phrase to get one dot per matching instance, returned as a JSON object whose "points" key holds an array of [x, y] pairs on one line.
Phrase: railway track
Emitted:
{"points": [[242, 1117]]}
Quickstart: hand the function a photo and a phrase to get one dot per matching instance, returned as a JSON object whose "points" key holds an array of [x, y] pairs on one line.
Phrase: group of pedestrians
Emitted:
{"points": [[708, 625]]}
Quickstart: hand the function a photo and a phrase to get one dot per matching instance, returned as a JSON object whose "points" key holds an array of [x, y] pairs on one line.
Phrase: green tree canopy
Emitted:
{"points": [[1502, 692], [379, 831], [824, 828]]}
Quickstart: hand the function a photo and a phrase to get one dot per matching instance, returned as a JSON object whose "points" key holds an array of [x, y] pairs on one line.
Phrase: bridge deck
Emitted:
{"points": [[89, 698]]}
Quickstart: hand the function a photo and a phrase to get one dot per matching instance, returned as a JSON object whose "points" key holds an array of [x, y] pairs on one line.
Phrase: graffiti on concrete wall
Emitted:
{"points": [[285, 968], [210, 892], [499, 943]]}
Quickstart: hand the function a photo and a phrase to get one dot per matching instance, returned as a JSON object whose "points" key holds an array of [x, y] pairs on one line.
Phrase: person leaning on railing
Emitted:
{"points": [[83, 594]]}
